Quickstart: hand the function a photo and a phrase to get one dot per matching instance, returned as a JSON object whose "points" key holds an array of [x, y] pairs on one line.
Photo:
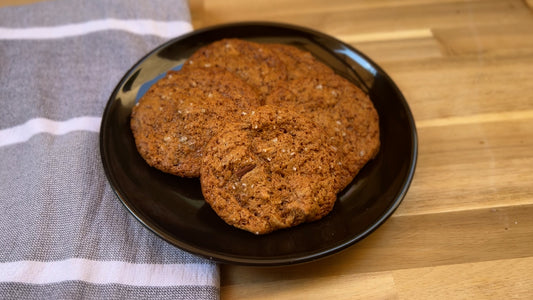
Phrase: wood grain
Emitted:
{"points": [[402, 243], [364, 286], [500, 279]]}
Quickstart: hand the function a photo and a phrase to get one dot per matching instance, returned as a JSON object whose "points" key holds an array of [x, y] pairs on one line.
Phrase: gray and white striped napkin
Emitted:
{"points": [[63, 232]]}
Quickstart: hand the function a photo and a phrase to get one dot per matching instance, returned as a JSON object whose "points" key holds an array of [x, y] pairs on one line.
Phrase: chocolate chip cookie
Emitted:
{"points": [[178, 115], [255, 63], [345, 113], [299, 63], [269, 171]]}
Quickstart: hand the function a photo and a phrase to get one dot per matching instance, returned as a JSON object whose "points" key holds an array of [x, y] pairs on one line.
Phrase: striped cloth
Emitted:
{"points": [[63, 232]]}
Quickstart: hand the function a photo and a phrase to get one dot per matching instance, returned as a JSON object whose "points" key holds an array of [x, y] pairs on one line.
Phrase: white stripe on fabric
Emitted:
{"points": [[165, 29], [108, 272], [24, 132]]}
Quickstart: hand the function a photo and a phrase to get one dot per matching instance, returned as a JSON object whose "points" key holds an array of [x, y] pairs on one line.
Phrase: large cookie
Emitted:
{"points": [[255, 63], [299, 63], [270, 171], [178, 115], [345, 113]]}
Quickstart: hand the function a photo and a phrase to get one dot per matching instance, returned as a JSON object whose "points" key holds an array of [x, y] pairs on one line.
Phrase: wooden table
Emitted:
{"points": [[465, 228]]}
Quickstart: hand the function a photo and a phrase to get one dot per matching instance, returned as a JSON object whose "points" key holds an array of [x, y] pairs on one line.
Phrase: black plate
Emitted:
{"points": [[174, 208]]}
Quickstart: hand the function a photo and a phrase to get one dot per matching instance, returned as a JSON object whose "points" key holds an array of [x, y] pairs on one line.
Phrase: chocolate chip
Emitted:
{"points": [[242, 171]]}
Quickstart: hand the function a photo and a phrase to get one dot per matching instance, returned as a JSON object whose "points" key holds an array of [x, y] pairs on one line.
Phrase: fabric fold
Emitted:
{"points": [[63, 231]]}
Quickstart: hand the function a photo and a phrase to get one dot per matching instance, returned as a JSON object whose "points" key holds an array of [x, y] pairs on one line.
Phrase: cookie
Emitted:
{"points": [[299, 63], [253, 62], [214, 79], [344, 111], [269, 171], [178, 115]]}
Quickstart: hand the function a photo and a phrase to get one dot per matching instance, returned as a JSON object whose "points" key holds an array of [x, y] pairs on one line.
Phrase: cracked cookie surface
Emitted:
{"points": [[344, 111], [178, 115], [255, 63], [299, 63], [269, 171]]}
